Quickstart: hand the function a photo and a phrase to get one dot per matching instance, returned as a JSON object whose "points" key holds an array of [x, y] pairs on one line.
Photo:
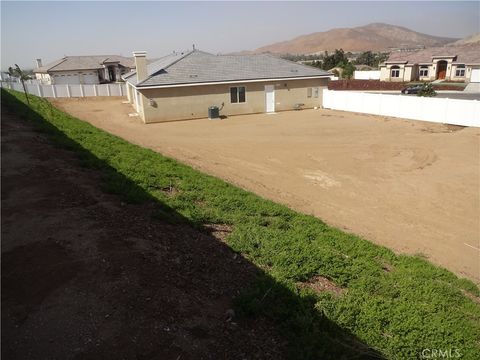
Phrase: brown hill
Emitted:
{"points": [[472, 39], [375, 37]]}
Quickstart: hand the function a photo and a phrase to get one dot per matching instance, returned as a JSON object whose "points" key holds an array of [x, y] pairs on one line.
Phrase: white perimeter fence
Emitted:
{"points": [[440, 110], [70, 90], [366, 75]]}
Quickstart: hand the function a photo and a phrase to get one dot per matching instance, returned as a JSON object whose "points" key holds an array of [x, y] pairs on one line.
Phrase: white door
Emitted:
{"points": [[269, 98], [475, 75]]}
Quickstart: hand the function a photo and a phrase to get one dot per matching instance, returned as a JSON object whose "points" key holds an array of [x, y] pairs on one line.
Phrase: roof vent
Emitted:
{"points": [[294, 70], [193, 76]]}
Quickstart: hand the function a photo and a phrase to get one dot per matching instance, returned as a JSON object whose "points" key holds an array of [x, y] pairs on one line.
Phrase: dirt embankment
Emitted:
{"points": [[86, 276]]}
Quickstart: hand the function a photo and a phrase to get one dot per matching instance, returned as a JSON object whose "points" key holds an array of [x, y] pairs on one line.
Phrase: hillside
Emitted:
{"points": [[375, 37], [472, 39]]}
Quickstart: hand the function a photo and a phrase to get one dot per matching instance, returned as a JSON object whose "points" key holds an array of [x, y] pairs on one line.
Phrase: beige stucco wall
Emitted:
{"points": [[431, 73], [412, 73], [179, 103], [448, 74], [386, 71], [468, 73], [45, 78], [384, 74], [130, 91]]}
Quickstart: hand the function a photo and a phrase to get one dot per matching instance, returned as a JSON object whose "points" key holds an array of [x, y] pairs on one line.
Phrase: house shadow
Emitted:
{"points": [[186, 295]]}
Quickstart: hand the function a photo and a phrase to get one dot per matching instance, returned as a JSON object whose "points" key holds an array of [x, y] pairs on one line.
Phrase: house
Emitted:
{"points": [[452, 63], [184, 85], [97, 69], [337, 71]]}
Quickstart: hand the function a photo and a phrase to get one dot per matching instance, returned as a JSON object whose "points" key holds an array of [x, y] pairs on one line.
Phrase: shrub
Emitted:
{"points": [[427, 90]]}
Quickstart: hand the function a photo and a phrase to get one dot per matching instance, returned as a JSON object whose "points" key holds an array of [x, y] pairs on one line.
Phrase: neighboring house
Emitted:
{"points": [[454, 63], [184, 85], [337, 70], [7, 77], [97, 69]]}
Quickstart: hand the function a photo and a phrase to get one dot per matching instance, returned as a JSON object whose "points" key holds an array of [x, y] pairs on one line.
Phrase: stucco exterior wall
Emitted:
{"points": [[454, 77], [408, 73], [411, 73], [448, 73], [386, 72], [44, 78], [130, 91], [192, 102], [430, 75]]}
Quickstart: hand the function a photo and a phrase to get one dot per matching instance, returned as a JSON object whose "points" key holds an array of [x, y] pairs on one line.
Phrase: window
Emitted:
{"points": [[315, 92], [309, 92], [460, 70], [395, 72], [423, 71], [237, 94]]}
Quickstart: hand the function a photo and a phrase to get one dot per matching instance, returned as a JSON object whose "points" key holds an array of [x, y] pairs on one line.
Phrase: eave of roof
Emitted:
{"points": [[245, 81]]}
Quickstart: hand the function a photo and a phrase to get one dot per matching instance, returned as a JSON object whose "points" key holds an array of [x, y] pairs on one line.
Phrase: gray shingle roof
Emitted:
{"points": [[84, 63], [157, 65], [200, 67]]}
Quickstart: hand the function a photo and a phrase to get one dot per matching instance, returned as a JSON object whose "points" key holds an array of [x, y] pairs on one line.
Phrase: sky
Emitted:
{"points": [[50, 30]]}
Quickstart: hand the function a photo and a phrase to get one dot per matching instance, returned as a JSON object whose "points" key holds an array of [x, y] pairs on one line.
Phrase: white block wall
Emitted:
{"points": [[71, 90], [366, 75], [440, 110]]}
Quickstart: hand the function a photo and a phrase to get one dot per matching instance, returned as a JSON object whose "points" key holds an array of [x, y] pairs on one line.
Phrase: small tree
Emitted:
{"points": [[348, 70], [22, 75], [427, 90]]}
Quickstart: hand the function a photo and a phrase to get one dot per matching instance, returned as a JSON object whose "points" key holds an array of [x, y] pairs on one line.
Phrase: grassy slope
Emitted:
{"points": [[396, 304]]}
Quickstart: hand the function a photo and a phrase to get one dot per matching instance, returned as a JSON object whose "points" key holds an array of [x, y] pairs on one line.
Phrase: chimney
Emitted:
{"points": [[141, 64], [39, 62]]}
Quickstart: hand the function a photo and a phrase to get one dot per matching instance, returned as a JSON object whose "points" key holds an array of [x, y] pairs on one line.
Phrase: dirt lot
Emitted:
{"points": [[85, 276], [409, 185]]}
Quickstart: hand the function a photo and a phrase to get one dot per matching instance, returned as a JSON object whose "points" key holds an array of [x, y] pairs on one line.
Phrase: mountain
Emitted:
{"points": [[472, 39], [375, 37]]}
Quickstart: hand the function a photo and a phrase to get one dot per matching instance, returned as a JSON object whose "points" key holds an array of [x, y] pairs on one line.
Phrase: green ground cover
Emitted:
{"points": [[390, 305]]}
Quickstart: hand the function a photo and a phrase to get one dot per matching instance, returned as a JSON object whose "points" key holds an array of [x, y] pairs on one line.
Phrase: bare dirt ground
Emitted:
{"points": [[85, 276], [409, 185]]}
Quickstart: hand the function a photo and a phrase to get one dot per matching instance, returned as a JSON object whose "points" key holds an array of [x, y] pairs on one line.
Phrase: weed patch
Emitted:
{"points": [[320, 284]]}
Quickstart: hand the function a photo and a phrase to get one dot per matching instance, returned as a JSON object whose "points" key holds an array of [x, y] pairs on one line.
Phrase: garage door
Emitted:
{"points": [[475, 75], [89, 78], [66, 79], [73, 79]]}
